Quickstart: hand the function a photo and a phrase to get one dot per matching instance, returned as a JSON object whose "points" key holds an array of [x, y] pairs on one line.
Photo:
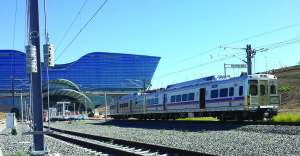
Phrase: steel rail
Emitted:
{"points": [[94, 146], [128, 143]]}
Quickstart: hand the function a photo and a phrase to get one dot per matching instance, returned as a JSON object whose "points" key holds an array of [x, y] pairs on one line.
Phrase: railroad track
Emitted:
{"points": [[222, 122], [118, 146]]}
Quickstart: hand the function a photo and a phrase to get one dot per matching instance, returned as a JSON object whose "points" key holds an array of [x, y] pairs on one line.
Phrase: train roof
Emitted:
{"points": [[198, 81], [130, 95]]}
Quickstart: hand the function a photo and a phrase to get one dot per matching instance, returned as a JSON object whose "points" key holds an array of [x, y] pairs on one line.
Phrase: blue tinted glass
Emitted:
{"points": [[241, 90], [148, 102], [152, 101], [191, 96], [93, 72], [156, 100], [178, 98], [214, 93], [231, 91], [172, 98], [184, 97], [224, 92]]}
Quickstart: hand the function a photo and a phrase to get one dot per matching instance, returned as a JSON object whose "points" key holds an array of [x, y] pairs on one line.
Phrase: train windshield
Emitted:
{"points": [[253, 89]]}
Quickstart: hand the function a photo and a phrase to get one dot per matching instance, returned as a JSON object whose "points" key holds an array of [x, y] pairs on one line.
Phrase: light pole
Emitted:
{"points": [[105, 106], [279, 65], [266, 65]]}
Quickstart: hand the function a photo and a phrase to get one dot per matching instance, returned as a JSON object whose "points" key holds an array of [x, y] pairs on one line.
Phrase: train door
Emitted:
{"points": [[263, 86], [202, 98], [165, 102], [130, 106], [117, 107], [144, 105]]}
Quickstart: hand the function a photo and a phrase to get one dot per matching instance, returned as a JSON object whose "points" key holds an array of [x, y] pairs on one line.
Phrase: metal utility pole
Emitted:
{"points": [[36, 77], [13, 91], [105, 106], [250, 54], [144, 85]]}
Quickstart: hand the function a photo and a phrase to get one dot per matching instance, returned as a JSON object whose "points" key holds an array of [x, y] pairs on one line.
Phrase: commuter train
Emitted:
{"points": [[250, 97]]}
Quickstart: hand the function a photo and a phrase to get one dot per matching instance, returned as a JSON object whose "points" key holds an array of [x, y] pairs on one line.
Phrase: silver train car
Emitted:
{"points": [[251, 97]]}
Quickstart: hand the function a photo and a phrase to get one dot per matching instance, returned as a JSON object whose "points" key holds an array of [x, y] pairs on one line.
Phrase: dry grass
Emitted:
{"points": [[2, 115]]}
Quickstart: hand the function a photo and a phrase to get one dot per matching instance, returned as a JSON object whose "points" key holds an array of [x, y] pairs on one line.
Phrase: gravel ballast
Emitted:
{"points": [[218, 139]]}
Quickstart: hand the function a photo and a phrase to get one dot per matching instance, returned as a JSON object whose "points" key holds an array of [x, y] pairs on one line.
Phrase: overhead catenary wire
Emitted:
{"points": [[46, 31], [192, 67], [12, 56], [189, 58], [283, 43], [28, 21], [179, 62], [82, 29], [272, 46], [262, 34], [70, 26]]}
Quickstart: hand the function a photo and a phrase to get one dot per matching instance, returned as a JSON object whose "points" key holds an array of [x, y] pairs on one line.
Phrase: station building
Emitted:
{"points": [[84, 82]]}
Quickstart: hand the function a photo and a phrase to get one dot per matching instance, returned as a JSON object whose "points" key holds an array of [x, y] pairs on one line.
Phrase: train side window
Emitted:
{"points": [[214, 93], [273, 89], [142, 102], [253, 89], [184, 97], [152, 101], [231, 91], [241, 90], [262, 89], [173, 98], [191, 96], [156, 101], [178, 98], [148, 102], [224, 92]]}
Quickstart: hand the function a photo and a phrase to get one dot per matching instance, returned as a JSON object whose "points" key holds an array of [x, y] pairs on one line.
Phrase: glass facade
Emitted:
{"points": [[94, 72]]}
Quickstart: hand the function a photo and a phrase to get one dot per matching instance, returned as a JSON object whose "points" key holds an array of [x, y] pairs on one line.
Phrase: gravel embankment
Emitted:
{"points": [[219, 139]]}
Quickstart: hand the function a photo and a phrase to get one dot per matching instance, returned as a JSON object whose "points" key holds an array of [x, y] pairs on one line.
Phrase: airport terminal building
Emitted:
{"points": [[82, 82]]}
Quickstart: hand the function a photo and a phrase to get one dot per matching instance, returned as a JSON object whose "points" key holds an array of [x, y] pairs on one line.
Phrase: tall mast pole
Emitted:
{"points": [[36, 77], [249, 56]]}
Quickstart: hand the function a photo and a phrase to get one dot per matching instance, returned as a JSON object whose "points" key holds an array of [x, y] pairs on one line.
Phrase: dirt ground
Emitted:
{"points": [[2, 115], [290, 99]]}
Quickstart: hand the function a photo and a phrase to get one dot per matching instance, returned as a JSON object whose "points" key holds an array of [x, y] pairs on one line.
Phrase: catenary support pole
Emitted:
{"points": [[13, 91], [38, 139], [249, 63], [105, 106]]}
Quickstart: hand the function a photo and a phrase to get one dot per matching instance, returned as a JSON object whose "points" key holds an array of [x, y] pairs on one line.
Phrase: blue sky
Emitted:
{"points": [[184, 33]]}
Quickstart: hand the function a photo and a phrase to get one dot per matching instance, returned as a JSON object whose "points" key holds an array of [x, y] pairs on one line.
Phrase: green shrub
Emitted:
{"points": [[202, 131], [285, 88], [288, 117]]}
